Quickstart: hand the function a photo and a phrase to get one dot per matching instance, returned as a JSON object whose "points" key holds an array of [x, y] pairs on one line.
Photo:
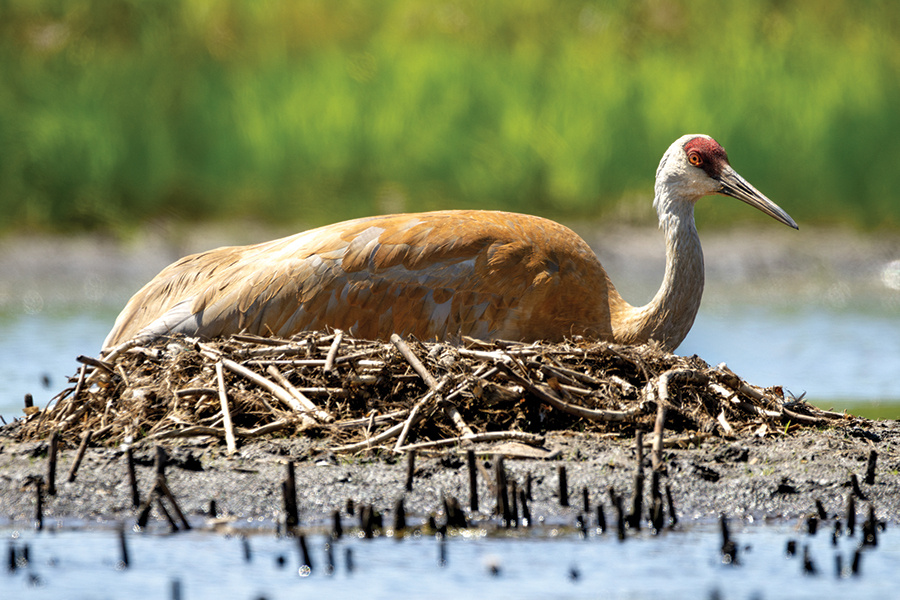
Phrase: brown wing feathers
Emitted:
{"points": [[432, 275]]}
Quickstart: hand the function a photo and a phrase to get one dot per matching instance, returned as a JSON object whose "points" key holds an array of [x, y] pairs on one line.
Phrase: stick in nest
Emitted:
{"points": [[547, 395], [450, 409], [273, 388], [332, 351], [488, 436], [413, 414], [226, 414], [302, 404]]}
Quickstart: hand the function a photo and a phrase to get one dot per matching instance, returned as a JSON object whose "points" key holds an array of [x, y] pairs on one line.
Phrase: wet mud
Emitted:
{"points": [[747, 477]]}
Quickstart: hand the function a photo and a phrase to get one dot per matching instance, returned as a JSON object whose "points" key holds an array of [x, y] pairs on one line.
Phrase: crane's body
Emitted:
{"points": [[444, 274], [432, 275]]}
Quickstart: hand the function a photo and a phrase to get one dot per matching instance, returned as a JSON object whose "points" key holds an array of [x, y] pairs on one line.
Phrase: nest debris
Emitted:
{"points": [[355, 395]]}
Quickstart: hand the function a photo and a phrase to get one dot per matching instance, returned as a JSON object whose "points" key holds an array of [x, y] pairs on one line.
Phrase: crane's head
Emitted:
{"points": [[696, 166]]}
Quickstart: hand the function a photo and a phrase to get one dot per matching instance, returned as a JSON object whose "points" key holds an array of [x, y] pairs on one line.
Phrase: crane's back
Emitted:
{"points": [[437, 275]]}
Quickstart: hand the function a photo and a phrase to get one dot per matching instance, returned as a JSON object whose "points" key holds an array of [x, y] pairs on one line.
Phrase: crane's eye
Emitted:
{"points": [[695, 159]]}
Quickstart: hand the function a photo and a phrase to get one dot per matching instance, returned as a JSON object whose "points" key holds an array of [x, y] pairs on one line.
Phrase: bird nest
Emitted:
{"points": [[351, 395]]}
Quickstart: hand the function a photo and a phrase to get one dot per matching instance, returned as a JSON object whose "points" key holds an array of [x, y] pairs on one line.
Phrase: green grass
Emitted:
{"points": [[881, 410], [114, 113]]}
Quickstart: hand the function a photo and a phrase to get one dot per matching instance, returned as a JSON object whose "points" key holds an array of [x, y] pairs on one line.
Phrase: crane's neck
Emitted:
{"points": [[669, 316]]}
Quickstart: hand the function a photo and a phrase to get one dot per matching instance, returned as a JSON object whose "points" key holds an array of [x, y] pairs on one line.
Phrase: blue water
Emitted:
{"points": [[835, 356], [38, 352], [549, 564]]}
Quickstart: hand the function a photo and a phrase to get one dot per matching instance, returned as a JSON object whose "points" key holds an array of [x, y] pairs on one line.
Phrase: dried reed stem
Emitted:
{"points": [[226, 414]]}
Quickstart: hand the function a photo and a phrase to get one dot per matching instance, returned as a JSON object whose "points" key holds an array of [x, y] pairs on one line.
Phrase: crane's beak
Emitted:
{"points": [[737, 187]]}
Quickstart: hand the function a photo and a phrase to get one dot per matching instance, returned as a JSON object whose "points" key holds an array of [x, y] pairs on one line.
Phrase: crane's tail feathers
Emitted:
{"points": [[181, 318]]}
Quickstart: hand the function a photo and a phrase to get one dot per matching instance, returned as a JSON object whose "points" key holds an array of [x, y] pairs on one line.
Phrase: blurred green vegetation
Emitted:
{"points": [[115, 113], [877, 410]]}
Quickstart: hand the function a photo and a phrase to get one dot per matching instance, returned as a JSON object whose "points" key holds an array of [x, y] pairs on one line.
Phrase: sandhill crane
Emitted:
{"points": [[446, 274]]}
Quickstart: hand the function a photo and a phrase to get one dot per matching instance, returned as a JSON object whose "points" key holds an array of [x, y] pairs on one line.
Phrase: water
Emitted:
{"points": [[837, 357], [548, 564], [38, 352]]}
